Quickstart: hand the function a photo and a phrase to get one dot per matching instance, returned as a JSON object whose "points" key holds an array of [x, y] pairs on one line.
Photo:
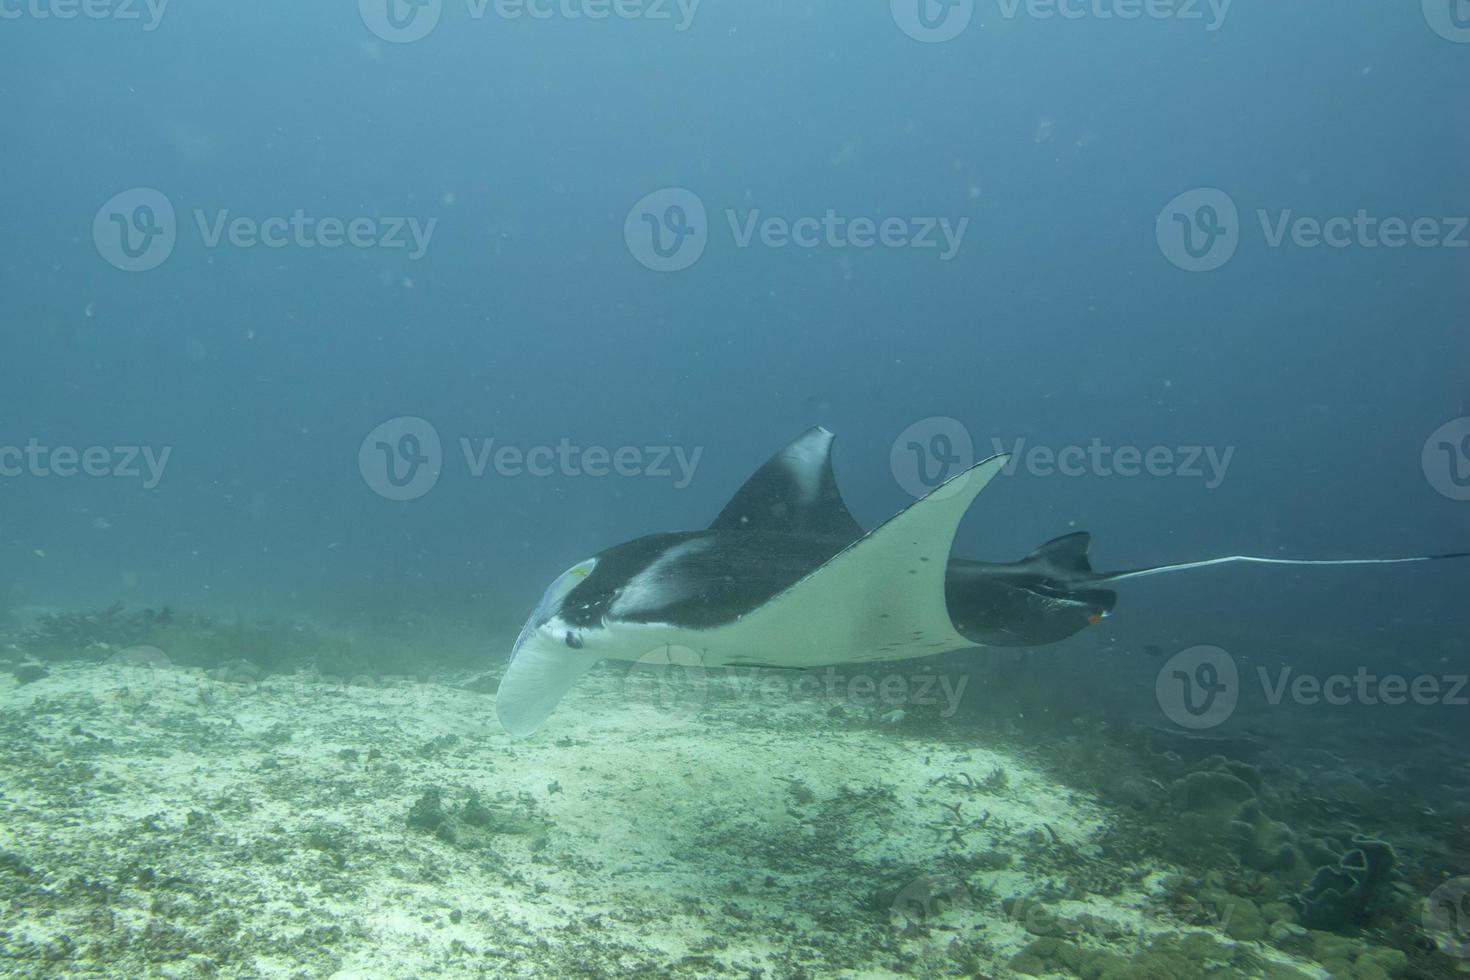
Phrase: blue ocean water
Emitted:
{"points": [[288, 277], [527, 319]]}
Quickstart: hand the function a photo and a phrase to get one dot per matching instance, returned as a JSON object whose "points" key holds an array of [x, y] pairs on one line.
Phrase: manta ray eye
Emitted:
{"points": [[573, 640]]}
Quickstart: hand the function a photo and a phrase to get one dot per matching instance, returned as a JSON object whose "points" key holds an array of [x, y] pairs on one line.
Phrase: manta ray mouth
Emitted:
{"points": [[550, 604]]}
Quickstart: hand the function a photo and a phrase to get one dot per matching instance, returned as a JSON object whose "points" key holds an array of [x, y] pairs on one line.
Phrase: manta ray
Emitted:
{"points": [[785, 577]]}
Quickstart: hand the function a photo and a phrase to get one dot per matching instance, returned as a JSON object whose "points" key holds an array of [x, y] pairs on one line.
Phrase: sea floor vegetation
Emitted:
{"points": [[190, 798]]}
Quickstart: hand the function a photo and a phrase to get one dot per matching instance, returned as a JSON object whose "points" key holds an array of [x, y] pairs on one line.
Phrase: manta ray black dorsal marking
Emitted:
{"points": [[795, 492]]}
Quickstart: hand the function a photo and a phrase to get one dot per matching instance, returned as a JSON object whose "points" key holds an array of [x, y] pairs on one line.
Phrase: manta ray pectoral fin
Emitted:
{"points": [[538, 677], [882, 597], [794, 492]]}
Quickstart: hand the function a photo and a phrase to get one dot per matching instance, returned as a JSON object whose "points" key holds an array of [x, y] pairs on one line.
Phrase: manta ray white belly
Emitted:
{"points": [[881, 598]]}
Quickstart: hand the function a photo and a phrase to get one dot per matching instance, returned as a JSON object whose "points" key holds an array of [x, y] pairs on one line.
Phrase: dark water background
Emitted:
{"points": [[528, 319]]}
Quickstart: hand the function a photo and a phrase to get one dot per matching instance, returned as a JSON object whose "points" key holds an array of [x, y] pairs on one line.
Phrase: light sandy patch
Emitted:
{"points": [[164, 823]]}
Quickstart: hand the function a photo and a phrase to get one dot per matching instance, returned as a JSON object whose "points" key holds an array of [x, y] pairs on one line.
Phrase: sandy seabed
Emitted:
{"points": [[161, 822]]}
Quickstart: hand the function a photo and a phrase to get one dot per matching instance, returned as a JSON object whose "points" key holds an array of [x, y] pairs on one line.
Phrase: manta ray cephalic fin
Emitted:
{"points": [[539, 676]]}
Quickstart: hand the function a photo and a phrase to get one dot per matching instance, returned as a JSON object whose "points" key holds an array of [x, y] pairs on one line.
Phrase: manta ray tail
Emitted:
{"points": [[1053, 592], [1133, 573]]}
